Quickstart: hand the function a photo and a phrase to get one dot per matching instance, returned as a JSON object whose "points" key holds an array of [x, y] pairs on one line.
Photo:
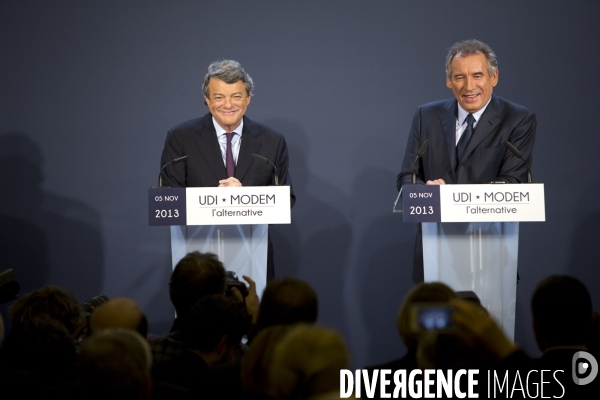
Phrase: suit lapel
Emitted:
{"points": [[250, 144], [448, 121], [208, 145], [489, 119]]}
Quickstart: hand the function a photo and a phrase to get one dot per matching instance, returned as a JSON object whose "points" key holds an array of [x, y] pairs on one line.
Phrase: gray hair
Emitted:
{"points": [[306, 362], [229, 71], [470, 47], [115, 361]]}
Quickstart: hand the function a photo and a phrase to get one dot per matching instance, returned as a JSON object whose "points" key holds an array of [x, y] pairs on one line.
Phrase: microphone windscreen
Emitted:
{"points": [[423, 148], [260, 158], [179, 159], [513, 149]]}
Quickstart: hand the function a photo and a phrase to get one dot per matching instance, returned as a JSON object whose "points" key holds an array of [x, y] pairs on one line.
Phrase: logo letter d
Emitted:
{"points": [[592, 363]]}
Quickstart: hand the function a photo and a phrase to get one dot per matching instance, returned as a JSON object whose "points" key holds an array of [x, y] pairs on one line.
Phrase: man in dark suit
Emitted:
{"points": [[562, 314], [467, 134], [220, 144]]}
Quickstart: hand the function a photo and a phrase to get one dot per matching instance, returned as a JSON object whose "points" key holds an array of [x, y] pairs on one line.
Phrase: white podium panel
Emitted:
{"points": [[476, 256], [241, 248]]}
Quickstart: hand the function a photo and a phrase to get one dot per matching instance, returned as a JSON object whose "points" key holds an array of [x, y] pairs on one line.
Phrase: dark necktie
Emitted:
{"points": [[464, 139], [229, 164]]}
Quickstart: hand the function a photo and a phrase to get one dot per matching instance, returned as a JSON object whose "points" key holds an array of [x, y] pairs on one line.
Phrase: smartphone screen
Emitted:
{"points": [[432, 317]]}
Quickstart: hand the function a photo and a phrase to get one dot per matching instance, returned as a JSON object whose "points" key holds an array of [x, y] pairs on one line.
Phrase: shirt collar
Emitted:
{"points": [[462, 114], [221, 131]]}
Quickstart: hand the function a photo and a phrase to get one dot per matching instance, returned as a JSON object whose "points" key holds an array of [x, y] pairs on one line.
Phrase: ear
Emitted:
{"points": [[495, 78], [222, 346], [448, 83]]}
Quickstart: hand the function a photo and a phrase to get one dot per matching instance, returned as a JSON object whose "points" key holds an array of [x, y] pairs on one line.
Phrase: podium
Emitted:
{"points": [[231, 222], [471, 237]]}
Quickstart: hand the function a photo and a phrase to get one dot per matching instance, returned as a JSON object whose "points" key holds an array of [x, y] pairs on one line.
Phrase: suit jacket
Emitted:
{"points": [[486, 157], [204, 167]]}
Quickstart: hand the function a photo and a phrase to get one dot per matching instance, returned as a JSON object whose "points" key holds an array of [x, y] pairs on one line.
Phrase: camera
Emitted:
{"points": [[90, 305], [232, 281]]}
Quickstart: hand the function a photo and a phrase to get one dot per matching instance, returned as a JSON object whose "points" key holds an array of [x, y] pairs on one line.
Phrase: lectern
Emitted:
{"points": [[471, 237], [231, 222]]}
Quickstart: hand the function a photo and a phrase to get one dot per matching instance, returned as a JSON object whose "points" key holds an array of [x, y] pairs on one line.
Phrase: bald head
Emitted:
{"points": [[120, 312]]}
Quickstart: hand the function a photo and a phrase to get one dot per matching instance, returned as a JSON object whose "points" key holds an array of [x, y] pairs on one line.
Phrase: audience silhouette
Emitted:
{"points": [[224, 344]]}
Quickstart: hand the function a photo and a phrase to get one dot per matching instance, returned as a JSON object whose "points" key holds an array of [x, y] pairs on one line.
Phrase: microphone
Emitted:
{"points": [[173, 161], [519, 155], [266, 161], [419, 154]]}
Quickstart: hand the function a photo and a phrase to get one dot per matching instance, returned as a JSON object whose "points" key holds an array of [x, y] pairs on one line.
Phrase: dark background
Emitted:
{"points": [[89, 89]]}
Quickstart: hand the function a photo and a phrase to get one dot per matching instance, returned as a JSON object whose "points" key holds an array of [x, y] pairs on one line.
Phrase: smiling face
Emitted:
{"points": [[227, 102], [471, 82]]}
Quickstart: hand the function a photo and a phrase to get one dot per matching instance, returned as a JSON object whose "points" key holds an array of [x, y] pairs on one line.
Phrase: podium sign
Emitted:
{"points": [[219, 205], [474, 203]]}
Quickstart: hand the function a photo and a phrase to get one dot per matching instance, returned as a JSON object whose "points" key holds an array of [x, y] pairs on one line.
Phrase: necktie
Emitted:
{"points": [[464, 139], [229, 164]]}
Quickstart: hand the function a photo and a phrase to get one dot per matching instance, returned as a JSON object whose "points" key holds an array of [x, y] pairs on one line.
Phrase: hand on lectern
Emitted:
{"points": [[436, 182], [229, 182]]}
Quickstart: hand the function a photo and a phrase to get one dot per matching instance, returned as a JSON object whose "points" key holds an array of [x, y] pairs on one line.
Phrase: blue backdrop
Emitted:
{"points": [[89, 89]]}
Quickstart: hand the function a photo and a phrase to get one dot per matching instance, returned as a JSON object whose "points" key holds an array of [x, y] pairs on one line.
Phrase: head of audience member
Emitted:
{"points": [[196, 275], [214, 328], [115, 363], [51, 302], [471, 296], [471, 73], [287, 301], [307, 362], [43, 347], [120, 312], [453, 349], [258, 359], [468, 295], [434, 292], [1, 329], [561, 308]]}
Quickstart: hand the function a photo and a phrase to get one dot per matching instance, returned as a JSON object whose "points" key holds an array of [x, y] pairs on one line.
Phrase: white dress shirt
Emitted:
{"points": [[236, 141], [461, 120]]}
